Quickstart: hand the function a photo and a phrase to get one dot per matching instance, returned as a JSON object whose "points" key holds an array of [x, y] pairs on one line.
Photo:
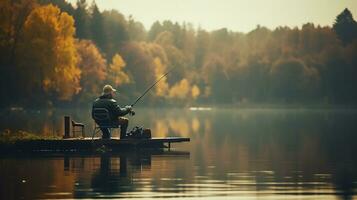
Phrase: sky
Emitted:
{"points": [[236, 15]]}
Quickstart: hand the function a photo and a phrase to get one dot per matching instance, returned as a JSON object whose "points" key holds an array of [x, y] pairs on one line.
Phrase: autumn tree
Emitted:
{"points": [[162, 87], [117, 75], [12, 19], [13, 15], [184, 91], [175, 57], [180, 90], [305, 64], [51, 68], [139, 64], [94, 70]]}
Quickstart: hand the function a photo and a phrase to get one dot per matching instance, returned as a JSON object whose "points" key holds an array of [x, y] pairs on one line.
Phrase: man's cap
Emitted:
{"points": [[107, 89]]}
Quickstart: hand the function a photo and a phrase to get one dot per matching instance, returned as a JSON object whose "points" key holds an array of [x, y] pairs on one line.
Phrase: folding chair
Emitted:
{"points": [[102, 120]]}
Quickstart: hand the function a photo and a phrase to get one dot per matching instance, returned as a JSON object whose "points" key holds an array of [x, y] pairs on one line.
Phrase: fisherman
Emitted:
{"points": [[116, 113]]}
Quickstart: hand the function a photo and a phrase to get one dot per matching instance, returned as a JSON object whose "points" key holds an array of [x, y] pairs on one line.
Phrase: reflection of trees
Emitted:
{"points": [[170, 122], [282, 141], [310, 141]]}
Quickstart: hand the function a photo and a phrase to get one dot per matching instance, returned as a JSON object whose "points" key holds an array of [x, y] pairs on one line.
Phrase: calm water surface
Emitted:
{"points": [[233, 154]]}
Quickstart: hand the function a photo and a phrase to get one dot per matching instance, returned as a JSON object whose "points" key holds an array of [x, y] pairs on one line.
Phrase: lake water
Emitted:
{"points": [[233, 154]]}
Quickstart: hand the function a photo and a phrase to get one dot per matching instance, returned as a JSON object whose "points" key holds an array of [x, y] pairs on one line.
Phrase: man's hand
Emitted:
{"points": [[132, 113], [129, 108]]}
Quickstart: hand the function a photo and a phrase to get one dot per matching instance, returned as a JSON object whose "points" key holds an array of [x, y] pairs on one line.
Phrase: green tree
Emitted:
{"points": [[64, 5], [155, 29], [345, 27], [81, 17], [116, 29], [136, 30], [291, 79], [202, 47], [217, 79], [97, 27]]}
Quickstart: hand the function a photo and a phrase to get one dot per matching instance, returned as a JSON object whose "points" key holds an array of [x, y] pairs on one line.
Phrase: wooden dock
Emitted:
{"points": [[87, 144]]}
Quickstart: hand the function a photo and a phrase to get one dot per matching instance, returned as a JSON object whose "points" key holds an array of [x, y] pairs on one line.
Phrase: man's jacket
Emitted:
{"points": [[106, 101]]}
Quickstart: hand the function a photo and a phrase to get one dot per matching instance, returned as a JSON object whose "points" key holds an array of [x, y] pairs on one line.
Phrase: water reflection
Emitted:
{"points": [[250, 153], [115, 175]]}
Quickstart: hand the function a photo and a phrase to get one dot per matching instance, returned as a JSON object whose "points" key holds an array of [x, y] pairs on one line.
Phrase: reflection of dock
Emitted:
{"points": [[87, 144], [113, 174], [136, 158]]}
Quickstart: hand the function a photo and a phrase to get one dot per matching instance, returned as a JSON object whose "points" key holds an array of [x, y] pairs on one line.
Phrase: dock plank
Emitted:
{"points": [[89, 144]]}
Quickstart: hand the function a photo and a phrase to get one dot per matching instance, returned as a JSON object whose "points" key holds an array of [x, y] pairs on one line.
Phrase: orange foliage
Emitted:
{"points": [[93, 67], [162, 86], [50, 33], [180, 90], [117, 74]]}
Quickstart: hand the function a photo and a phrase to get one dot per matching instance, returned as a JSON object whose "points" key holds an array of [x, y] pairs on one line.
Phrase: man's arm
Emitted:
{"points": [[120, 111]]}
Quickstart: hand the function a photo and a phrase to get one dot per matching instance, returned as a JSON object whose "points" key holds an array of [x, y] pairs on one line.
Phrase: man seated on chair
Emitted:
{"points": [[107, 101]]}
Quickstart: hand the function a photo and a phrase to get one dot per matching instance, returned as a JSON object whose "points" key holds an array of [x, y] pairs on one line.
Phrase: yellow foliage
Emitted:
{"points": [[147, 62], [117, 74], [93, 67], [118, 63], [50, 51], [162, 86], [183, 90], [180, 90]]}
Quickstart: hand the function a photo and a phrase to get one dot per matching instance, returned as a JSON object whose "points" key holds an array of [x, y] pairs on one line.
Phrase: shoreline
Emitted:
{"points": [[200, 107]]}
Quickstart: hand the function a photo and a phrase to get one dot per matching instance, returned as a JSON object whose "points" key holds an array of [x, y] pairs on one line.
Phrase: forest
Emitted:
{"points": [[53, 53]]}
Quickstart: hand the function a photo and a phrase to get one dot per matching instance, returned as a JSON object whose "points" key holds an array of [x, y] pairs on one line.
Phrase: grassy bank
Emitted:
{"points": [[10, 137]]}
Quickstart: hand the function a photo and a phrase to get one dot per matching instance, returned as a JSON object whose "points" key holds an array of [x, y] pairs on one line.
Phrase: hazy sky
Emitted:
{"points": [[236, 15]]}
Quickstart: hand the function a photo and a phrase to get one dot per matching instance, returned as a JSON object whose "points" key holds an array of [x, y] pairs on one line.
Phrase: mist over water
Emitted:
{"points": [[233, 154]]}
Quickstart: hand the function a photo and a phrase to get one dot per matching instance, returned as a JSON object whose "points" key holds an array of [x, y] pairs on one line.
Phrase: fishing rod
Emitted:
{"points": [[149, 88]]}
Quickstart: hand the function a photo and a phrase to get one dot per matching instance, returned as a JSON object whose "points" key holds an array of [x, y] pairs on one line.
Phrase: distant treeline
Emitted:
{"points": [[53, 53]]}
